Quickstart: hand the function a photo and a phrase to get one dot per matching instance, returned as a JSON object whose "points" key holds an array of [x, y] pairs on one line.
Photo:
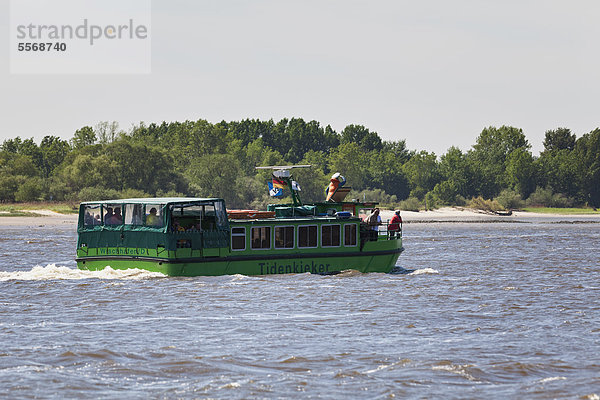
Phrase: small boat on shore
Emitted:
{"points": [[199, 236]]}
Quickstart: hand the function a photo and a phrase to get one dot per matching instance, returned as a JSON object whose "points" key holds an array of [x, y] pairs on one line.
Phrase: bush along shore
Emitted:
{"points": [[199, 158]]}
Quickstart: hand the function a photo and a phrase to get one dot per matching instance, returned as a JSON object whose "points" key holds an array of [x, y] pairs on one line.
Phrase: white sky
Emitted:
{"points": [[432, 72]]}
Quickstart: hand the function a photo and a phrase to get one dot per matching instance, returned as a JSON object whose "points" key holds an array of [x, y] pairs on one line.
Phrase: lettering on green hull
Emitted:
{"points": [[122, 251], [267, 268]]}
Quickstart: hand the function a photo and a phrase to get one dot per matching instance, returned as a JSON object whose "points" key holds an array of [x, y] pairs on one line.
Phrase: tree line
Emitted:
{"points": [[199, 158]]}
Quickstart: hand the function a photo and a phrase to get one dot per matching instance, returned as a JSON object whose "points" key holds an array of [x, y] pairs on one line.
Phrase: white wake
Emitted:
{"points": [[424, 271], [54, 272]]}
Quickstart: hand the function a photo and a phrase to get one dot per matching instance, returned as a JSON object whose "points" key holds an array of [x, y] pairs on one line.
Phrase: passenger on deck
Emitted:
{"points": [[374, 220], [395, 223], [177, 226], [152, 219], [115, 218], [88, 220], [108, 215]]}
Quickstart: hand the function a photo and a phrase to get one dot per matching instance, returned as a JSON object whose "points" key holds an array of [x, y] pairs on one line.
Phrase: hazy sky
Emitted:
{"points": [[431, 72]]}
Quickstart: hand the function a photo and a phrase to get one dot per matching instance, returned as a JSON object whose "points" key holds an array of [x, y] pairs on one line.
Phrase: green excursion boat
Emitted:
{"points": [[198, 236]]}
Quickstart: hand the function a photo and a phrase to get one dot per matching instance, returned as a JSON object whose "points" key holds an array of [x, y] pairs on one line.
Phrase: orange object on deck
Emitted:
{"points": [[333, 185]]}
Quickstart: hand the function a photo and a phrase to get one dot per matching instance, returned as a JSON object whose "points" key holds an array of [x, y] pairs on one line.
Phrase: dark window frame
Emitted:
{"points": [[287, 227], [238, 235], [354, 237], [331, 237], [268, 238], [308, 241]]}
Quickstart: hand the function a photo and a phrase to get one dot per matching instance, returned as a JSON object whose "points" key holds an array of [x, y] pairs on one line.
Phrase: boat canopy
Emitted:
{"points": [[163, 214]]}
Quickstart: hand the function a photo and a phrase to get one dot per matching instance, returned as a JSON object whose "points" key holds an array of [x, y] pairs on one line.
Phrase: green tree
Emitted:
{"points": [[559, 139], [54, 150], [11, 145], [29, 190], [142, 167], [559, 169], [9, 184], [385, 172], [362, 136], [107, 132], [489, 155], [350, 160], [215, 175], [83, 137], [457, 169], [422, 171], [521, 172], [587, 154], [304, 137], [15, 170]]}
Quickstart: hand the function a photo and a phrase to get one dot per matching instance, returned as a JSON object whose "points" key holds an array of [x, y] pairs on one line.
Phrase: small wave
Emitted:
{"points": [[54, 272], [424, 271], [348, 273], [554, 378], [461, 370], [231, 385], [379, 368]]}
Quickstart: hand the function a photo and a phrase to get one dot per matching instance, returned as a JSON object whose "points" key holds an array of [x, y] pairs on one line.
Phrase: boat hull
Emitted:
{"points": [[369, 261]]}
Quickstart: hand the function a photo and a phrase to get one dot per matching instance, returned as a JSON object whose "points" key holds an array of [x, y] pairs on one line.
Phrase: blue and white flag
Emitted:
{"points": [[273, 191]]}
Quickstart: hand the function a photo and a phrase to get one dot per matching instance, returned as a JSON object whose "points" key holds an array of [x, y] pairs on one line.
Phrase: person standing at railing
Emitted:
{"points": [[373, 221], [395, 224]]}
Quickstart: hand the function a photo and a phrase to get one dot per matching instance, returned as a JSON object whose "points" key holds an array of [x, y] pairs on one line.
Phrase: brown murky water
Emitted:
{"points": [[500, 310]]}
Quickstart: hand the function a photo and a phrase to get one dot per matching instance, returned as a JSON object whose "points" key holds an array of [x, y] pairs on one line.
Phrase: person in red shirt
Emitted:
{"points": [[395, 225]]}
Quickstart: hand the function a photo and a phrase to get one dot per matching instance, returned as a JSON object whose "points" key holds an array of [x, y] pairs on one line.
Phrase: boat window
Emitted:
{"points": [[284, 237], [186, 218], [261, 237], [221, 214], [307, 236], [350, 235], [330, 235], [154, 215], [113, 214], [209, 218], [134, 214], [238, 238], [92, 215]]}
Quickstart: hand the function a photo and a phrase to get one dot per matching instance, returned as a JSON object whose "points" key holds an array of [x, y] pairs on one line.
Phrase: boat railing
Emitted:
{"points": [[381, 233], [387, 233]]}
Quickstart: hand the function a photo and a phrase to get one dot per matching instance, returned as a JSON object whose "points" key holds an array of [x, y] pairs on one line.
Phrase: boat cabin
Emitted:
{"points": [[158, 225]]}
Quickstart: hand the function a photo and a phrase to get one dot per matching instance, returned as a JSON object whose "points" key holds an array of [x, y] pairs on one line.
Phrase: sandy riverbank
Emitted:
{"points": [[39, 218], [452, 214], [446, 214]]}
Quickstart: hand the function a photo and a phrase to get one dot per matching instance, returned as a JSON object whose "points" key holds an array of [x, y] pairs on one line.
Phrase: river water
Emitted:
{"points": [[489, 310]]}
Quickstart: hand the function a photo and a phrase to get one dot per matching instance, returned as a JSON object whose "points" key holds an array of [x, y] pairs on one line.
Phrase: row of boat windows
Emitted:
{"points": [[119, 214], [184, 218], [284, 237]]}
